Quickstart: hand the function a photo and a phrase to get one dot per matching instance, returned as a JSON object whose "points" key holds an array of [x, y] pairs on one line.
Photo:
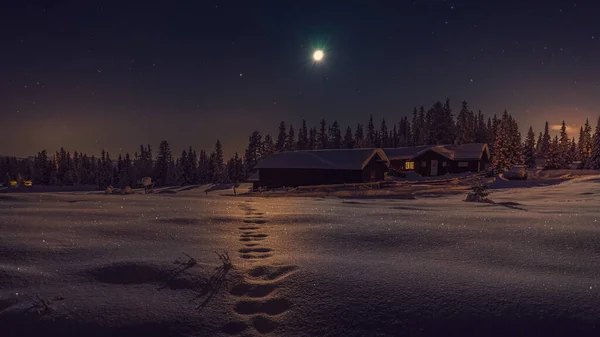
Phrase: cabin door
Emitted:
{"points": [[434, 167]]}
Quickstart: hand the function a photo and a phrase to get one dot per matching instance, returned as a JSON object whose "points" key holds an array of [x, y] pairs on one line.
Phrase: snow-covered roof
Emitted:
{"points": [[343, 159], [400, 153], [470, 151]]}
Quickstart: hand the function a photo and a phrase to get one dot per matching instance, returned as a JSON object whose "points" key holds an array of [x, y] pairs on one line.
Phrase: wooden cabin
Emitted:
{"points": [[440, 159], [321, 167]]}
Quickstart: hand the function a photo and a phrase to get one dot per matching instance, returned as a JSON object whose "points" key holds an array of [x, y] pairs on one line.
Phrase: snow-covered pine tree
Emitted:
{"points": [[348, 142], [546, 140], [164, 159], [464, 125], [529, 148], [257, 150], [594, 160], [359, 137], [384, 135], [573, 151], [370, 137], [415, 128], [502, 151], [281, 137], [564, 147], [538, 146], [267, 147], [219, 174], [322, 137], [312, 138], [395, 137], [203, 167], [335, 136], [585, 142], [303, 137], [290, 144], [422, 127], [553, 160]]}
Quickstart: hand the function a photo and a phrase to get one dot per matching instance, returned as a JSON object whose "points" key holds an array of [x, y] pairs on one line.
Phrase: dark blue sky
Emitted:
{"points": [[93, 75]]}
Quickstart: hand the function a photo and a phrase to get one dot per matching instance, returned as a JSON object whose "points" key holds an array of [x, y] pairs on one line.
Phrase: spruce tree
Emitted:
{"points": [[335, 136], [303, 137], [322, 137], [395, 137], [268, 147], [594, 160], [538, 147], [573, 151], [290, 144], [312, 139], [359, 137], [348, 142], [422, 132], [383, 132], [465, 125], [545, 147], [281, 137], [415, 128], [529, 148], [256, 151], [585, 143], [370, 137], [564, 148], [553, 160], [164, 158]]}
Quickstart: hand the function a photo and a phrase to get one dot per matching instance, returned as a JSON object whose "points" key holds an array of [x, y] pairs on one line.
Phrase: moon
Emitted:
{"points": [[318, 55]]}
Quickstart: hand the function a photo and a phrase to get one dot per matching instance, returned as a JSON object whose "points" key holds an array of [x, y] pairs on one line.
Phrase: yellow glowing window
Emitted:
{"points": [[409, 165]]}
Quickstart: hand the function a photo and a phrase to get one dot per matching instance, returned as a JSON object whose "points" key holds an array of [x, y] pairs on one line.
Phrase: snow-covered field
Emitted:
{"points": [[431, 266]]}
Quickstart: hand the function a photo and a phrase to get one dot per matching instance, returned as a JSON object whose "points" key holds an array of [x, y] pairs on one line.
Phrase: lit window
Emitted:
{"points": [[372, 175], [444, 164], [463, 164], [423, 164], [409, 165]]}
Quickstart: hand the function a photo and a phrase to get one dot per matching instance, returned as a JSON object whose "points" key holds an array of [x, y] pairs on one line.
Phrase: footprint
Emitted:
{"points": [[247, 233], [255, 256], [271, 272], [255, 221], [254, 235], [248, 228], [253, 290], [251, 239], [251, 244], [263, 324], [274, 306], [255, 250], [234, 328]]}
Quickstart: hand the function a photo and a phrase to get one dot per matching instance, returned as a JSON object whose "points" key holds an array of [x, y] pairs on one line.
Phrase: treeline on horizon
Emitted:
{"points": [[435, 126]]}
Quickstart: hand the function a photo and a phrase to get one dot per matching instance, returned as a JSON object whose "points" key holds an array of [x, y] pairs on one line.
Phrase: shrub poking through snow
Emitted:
{"points": [[227, 265], [479, 192], [108, 190], [44, 306], [127, 190]]}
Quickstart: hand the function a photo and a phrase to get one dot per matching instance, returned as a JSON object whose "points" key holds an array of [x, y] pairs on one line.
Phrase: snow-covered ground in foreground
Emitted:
{"points": [[527, 265]]}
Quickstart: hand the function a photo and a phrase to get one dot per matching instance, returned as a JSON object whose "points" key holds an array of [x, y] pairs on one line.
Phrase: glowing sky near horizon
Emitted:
{"points": [[89, 76]]}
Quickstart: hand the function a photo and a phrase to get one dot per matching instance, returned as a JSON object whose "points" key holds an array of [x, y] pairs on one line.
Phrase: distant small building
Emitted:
{"points": [[321, 167], [440, 159]]}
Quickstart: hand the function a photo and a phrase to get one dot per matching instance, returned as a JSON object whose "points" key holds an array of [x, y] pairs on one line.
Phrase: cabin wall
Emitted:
{"points": [[273, 178], [423, 163], [378, 168]]}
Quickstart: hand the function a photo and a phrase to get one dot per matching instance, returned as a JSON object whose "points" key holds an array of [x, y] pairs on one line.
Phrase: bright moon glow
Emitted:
{"points": [[318, 55]]}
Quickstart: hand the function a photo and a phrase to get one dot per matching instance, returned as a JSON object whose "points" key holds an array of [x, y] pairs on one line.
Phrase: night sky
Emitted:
{"points": [[90, 75]]}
